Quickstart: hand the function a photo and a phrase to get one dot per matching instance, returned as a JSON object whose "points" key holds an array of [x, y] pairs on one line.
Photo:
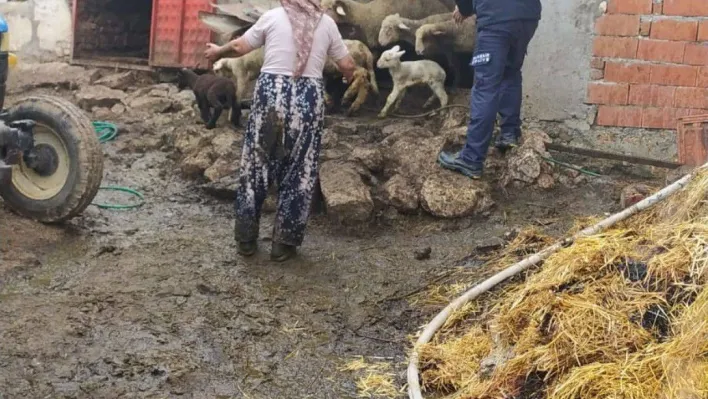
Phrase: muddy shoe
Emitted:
{"points": [[247, 248], [504, 144], [454, 162], [282, 252]]}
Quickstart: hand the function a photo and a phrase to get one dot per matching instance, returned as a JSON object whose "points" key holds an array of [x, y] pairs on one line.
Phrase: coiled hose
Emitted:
{"points": [[106, 132]]}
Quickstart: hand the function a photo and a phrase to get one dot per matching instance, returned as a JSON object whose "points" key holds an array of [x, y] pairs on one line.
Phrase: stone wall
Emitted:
{"points": [[39, 29], [650, 63]]}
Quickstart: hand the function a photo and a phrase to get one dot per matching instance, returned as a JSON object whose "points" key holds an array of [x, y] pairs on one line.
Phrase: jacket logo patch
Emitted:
{"points": [[480, 59]]}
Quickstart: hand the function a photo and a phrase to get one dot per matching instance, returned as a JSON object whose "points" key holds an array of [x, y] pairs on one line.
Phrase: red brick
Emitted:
{"points": [[607, 93], [608, 115], [658, 50], [618, 25], [687, 8], [702, 80], [674, 75], [691, 97], [629, 6], [597, 63], [644, 28], [658, 8], [627, 72], [703, 31], [651, 95], [696, 54], [615, 47], [659, 118], [596, 74], [672, 29]]}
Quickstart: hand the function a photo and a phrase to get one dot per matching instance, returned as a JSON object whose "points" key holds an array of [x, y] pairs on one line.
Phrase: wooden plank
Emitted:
{"points": [[616, 157]]}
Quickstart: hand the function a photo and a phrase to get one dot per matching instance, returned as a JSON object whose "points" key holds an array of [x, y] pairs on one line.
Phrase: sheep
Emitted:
{"points": [[395, 28], [369, 16], [359, 89], [242, 69], [362, 58], [448, 38], [212, 91], [245, 69], [410, 73]]}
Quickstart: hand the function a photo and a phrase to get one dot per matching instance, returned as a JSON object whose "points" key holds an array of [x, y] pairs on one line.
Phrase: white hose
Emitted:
{"points": [[426, 335]]}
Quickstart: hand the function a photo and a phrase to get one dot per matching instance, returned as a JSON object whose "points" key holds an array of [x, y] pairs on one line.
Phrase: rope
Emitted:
{"points": [[106, 132], [423, 115]]}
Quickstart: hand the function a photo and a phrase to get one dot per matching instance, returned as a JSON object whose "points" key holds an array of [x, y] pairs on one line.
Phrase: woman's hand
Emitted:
{"points": [[213, 52]]}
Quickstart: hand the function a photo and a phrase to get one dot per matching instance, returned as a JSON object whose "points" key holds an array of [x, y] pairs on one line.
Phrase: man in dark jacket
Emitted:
{"points": [[504, 30]]}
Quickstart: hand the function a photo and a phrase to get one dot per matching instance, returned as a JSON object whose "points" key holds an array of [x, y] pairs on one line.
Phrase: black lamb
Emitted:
{"points": [[212, 91]]}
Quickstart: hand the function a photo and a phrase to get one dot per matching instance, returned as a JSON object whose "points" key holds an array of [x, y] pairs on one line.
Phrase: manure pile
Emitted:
{"points": [[622, 314]]}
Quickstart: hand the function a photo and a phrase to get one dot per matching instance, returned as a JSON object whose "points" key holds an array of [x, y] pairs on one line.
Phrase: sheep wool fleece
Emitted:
{"points": [[282, 145]]}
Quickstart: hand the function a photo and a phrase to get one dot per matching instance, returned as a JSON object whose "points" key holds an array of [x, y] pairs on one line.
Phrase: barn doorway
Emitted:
{"points": [[112, 33]]}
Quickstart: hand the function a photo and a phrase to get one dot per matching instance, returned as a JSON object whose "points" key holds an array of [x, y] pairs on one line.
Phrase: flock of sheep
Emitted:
{"points": [[368, 29]]}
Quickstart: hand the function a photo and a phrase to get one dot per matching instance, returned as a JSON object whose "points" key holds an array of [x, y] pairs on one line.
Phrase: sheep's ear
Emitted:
{"points": [[339, 9], [399, 54], [395, 48], [403, 26]]}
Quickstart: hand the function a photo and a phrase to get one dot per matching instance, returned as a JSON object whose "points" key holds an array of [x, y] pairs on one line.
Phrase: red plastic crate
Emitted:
{"points": [[177, 38], [692, 140]]}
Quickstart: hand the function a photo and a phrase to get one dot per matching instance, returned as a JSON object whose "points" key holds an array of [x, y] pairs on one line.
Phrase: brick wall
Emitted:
{"points": [[650, 63]]}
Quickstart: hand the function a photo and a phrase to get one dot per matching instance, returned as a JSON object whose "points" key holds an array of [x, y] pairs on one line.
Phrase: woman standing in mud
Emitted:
{"points": [[284, 130]]}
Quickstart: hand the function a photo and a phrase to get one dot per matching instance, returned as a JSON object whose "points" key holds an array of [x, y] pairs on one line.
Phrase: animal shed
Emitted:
{"points": [[139, 34]]}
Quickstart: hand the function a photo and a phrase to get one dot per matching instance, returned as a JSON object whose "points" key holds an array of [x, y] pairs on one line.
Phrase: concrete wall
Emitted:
{"points": [[39, 29], [556, 68]]}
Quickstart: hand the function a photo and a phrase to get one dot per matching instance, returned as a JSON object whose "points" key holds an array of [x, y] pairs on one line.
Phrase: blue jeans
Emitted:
{"points": [[497, 61]]}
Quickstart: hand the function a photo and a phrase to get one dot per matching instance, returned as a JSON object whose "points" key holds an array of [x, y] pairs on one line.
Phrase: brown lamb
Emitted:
{"points": [[212, 92]]}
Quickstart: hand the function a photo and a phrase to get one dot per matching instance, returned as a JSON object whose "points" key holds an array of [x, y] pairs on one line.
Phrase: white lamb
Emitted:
{"points": [[411, 73]]}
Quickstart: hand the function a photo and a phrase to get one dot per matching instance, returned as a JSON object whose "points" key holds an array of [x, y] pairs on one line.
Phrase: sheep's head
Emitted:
{"points": [[182, 78], [339, 9], [360, 77], [391, 26], [427, 38], [220, 67], [390, 58]]}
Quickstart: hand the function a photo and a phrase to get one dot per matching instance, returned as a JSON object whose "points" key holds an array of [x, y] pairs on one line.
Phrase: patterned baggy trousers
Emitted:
{"points": [[281, 145]]}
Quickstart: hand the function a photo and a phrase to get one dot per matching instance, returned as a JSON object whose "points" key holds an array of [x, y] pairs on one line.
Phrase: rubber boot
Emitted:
{"points": [[247, 248], [282, 252]]}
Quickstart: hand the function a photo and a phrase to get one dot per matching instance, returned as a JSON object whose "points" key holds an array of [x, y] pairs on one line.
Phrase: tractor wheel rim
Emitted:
{"points": [[39, 188]]}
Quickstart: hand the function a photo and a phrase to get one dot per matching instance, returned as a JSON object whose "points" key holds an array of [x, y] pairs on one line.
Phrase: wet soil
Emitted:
{"points": [[155, 302]]}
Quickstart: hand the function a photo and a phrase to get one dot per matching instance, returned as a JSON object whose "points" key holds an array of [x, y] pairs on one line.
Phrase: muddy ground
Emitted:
{"points": [[155, 302]]}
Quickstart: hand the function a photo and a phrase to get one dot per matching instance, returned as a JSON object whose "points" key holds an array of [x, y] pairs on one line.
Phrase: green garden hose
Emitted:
{"points": [[569, 166], [106, 132], [119, 206]]}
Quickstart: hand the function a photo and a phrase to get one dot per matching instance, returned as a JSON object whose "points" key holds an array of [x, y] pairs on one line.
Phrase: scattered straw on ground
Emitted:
{"points": [[375, 379], [622, 314]]}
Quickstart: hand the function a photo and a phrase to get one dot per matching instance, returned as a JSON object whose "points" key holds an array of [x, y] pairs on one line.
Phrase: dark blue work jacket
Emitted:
{"points": [[491, 12]]}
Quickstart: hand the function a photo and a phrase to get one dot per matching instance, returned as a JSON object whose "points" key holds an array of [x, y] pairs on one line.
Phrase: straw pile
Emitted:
{"points": [[621, 314]]}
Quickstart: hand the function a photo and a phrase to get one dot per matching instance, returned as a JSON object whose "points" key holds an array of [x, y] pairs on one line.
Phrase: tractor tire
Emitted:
{"points": [[74, 183]]}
